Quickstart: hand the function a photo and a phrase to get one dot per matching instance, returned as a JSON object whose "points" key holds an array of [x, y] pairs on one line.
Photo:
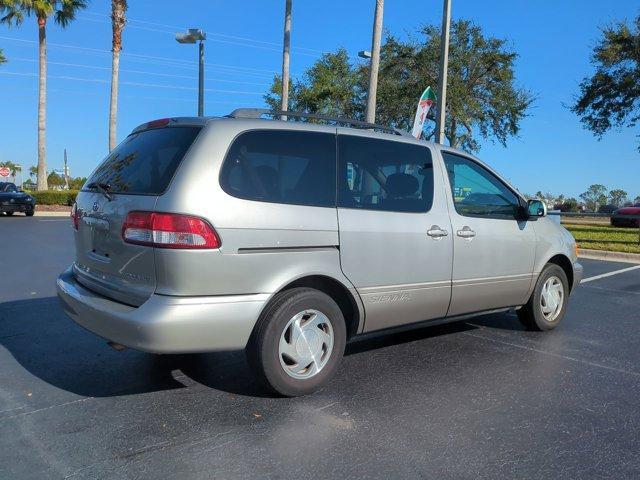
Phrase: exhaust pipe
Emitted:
{"points": [[116, 346]]}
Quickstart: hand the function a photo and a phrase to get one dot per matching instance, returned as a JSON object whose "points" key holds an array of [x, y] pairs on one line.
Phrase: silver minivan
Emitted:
{"points": [[289, 238]]}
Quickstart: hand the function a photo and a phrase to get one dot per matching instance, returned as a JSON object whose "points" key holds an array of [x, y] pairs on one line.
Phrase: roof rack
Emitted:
{"points": [[260, 112]]}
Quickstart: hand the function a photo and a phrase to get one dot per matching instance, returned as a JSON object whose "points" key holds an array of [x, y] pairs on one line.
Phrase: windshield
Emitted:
{"points": [[7, 187], [144, 162]]}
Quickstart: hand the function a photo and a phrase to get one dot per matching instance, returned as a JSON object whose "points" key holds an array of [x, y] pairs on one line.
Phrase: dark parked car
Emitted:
{"points": [[13, 200], [624, 217]]}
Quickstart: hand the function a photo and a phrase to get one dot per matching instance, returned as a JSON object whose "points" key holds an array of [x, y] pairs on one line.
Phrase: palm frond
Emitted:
{"points": [[13, 11], [66, 13]]}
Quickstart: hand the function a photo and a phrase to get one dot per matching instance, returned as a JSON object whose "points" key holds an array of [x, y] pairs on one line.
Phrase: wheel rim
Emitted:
{"points": [[306, 344], [552, 298]]}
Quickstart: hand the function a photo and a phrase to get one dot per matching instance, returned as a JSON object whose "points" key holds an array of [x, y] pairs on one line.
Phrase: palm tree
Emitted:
{"points": [[2, 59], [33, 172], [118, 10], [15, 170], [64, 12]]}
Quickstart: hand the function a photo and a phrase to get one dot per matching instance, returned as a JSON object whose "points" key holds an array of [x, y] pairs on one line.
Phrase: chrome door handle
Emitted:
{"points": [[466, 232], [436, 232]]}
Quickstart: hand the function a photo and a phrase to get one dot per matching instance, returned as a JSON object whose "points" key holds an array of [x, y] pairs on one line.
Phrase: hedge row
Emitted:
{"points": [[55, 197]]}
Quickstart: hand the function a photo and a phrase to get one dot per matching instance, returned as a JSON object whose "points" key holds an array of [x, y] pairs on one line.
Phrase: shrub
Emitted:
{"points": [[569, 205], [55, 197]]}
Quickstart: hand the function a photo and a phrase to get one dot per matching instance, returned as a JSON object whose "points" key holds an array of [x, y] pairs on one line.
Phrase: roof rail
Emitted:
{"points": [[260, 112]]}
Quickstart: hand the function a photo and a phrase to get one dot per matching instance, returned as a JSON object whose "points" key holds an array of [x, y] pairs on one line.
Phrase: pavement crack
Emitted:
{"points": [[327, 406], [145, 449], [80, 400], [545, 352]]}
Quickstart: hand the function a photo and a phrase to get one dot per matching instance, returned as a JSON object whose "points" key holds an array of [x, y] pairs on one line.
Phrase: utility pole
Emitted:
{"points": [[286, 48], [444, 65], [201, 79], [375, 62], [66, 170]]}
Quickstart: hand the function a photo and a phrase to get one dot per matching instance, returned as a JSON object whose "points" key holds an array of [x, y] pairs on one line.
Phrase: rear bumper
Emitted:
{"points": [[578, 272], [164, 324]]}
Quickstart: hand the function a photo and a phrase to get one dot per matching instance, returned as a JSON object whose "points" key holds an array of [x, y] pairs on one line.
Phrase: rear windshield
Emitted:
{"points": [[145, 162]]}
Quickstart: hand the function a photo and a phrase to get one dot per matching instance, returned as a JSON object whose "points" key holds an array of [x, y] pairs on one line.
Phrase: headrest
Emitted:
{"points": [[401, 185], [268, 177]]}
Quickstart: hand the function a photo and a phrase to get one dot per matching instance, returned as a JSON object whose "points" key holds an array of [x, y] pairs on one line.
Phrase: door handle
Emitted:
{"points": [[436, 232], [466, 232]]}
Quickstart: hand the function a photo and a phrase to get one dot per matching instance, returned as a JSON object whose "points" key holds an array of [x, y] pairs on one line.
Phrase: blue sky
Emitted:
{"points": [[158, 76]]}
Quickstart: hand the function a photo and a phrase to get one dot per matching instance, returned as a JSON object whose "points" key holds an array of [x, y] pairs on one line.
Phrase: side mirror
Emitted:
{"points": [[536, 208]]}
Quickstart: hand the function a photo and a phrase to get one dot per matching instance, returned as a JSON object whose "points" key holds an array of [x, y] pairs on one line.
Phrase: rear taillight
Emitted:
{"points": [[168, 230], [75, 217]]}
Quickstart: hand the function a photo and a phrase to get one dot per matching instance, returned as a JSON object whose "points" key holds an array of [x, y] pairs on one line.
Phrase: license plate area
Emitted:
{"points": [[100, 238]]}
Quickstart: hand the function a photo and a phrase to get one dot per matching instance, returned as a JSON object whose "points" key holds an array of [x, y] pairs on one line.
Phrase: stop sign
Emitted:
{"points": [[4, 172]]}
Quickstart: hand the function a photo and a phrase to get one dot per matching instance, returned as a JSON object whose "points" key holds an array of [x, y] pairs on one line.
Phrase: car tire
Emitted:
{"points": [[548, 302], [298, 342], [8, 214], [29, 213]]}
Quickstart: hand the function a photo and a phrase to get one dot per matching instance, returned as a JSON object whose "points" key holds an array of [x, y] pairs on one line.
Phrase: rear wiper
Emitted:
{"points": [[103, 188]]}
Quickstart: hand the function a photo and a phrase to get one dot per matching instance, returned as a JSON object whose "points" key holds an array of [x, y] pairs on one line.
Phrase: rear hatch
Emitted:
{"points": [[130, 179]]}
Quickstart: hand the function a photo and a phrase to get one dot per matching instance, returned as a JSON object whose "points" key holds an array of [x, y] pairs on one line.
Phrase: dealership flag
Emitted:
{"points": [[427, 99]]}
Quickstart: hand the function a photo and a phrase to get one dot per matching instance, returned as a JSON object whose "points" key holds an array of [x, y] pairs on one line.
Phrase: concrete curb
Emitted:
{"points": [[609, 256], [51, 214]]}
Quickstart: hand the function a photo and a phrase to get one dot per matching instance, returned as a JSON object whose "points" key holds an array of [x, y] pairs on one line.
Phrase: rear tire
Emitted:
{"points": [[548, 302], [29, 213], [8, 214], [298, 342]]}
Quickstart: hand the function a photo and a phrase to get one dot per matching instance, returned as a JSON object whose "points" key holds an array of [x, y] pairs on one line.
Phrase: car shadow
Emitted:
{"points": [[499, 321], [51, 347]]}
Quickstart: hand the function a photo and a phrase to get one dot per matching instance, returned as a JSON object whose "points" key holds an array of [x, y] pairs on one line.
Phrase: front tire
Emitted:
{"points": [[8, 214], [298, 342], [548, 302]]}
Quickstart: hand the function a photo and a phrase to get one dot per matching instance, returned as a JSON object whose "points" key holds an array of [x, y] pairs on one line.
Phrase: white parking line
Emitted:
{"points": [[609, 274]]}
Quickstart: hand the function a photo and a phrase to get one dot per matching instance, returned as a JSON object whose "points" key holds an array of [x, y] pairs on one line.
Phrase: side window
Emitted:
{"points": [[377, 174], [282, 166], [476, 191]]}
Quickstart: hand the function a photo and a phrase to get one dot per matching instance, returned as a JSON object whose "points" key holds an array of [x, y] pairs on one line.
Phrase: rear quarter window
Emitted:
{"points": [[282, 166], [145, 162]]}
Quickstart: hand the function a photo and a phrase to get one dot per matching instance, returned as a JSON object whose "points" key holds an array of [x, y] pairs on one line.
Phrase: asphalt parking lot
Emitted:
{"points": [[477, 399]]}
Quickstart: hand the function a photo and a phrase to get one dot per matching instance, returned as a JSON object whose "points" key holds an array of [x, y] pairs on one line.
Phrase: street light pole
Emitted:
{"points": [[375, 62], [444, 65], [201, 80], [66, 170], [194, 35], [285, 57]]}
